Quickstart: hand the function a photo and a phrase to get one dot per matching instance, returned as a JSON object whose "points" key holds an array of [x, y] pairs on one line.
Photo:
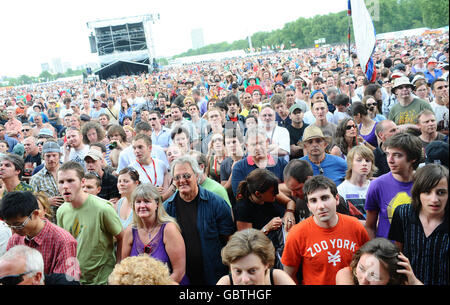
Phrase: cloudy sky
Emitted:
{"points": [[34, 32]]}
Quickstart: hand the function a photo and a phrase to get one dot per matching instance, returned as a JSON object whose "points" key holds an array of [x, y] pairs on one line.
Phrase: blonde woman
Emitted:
{"points": [[360, 169], [155, 233]]}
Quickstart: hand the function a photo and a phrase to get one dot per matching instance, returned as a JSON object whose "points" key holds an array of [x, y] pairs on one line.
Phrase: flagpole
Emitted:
{"points": [[349, 14]]}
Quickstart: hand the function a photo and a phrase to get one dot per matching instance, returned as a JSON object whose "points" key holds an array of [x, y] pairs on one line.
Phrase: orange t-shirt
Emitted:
{"points": [[320, 252]]}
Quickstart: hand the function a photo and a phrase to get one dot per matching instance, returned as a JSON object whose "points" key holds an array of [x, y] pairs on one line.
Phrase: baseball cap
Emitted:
{"points": [[50, 147], [94, 154], [45, 132], [296, 106]]}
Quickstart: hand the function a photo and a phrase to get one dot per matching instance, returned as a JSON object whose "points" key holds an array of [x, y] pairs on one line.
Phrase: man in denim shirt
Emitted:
{"points": [[212, 217]]}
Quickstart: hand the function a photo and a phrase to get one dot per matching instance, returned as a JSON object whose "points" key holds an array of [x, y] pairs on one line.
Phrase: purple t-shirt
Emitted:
{"points": [[384, 195], [158, 249]]}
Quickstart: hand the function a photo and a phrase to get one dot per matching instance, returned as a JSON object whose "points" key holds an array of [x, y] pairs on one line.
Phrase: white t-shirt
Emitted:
{"points": [[78, 155], [441, 112], [5, 234], [126, 156], [280, 136], [354, 194], [155, 171], [309, 118]]}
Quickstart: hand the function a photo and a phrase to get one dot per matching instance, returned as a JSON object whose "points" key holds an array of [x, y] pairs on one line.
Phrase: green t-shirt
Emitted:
{"points": [[407, 115], [94, 226], [216, 188]]}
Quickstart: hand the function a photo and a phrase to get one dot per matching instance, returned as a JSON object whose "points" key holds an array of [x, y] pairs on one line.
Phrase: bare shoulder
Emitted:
{"points": [[224, 280], [344, 277], [280, 277]]}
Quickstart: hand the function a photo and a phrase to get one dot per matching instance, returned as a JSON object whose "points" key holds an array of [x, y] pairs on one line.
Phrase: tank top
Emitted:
{"points": [[129, 220], [270, 275], [371, 137], [158, 249]]}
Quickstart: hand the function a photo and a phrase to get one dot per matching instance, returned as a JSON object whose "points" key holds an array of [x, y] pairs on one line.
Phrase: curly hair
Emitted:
{"points": [[140, 270], [98, 129]]}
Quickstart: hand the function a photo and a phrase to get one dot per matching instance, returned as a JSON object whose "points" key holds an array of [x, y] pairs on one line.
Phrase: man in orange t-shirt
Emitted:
{"points": [[326, 241]]}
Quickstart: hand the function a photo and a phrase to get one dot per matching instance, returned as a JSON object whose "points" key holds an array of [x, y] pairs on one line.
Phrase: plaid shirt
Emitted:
{"points": [[43, 181], [57, 246]]}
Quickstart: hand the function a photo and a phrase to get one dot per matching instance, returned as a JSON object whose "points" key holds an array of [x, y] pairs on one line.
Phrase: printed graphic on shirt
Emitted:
{"points": [[76, 228], [398, 200], [333, 248]]}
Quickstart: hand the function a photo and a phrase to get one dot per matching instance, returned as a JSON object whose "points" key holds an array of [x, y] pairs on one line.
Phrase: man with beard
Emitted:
{"points": [[278, 136]]}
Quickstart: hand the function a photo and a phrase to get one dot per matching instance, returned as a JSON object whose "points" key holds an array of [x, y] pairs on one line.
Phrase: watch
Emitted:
{"points": [[264, 230]]}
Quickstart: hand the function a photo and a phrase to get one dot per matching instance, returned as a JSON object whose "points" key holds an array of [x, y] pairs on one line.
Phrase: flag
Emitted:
{"points": [[365, 37]]}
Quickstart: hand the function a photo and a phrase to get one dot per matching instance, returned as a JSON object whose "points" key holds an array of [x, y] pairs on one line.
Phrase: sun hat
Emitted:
{"points": [[313, 132]]}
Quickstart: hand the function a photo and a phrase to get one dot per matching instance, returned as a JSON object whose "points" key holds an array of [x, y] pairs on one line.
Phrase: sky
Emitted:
{"points": [[36, 31]]}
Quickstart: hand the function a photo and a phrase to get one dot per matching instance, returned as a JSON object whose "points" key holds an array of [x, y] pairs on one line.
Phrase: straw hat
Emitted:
{"points": [[313, 132]]}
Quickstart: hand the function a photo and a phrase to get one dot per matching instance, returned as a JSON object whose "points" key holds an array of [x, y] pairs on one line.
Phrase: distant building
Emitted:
{"points": [[197, 38], [45, 67], [57, 65]]}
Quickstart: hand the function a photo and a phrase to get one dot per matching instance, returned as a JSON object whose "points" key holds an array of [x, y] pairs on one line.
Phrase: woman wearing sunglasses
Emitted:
{"points": [[346, 137]]}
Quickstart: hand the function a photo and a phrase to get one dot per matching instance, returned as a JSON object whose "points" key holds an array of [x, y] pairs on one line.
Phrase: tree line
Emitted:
{"points": [[392, 15]]}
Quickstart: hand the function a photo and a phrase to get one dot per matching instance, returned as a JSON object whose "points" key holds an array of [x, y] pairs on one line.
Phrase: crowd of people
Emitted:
{"points": [[281, 168]]}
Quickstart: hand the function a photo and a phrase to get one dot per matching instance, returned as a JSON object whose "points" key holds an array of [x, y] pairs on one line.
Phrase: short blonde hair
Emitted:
{"points": [[365, 153], [140, 270]]}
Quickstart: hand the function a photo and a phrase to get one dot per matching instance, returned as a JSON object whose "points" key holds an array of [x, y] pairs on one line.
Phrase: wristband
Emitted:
{"points": [[290, 210]]}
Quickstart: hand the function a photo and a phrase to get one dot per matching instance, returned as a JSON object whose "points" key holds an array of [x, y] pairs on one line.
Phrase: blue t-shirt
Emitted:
{"points": [[333, 167], [245, 166]]}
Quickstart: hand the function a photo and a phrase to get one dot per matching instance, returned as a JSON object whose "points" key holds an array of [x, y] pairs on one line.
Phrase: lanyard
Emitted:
{"points": [[154, 169]]}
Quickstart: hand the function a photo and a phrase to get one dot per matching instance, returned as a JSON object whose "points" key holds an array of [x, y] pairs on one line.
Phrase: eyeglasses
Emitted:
{"points": [[348, 127], [185, 176], [21, 226], [13, 279], [368, 105]]}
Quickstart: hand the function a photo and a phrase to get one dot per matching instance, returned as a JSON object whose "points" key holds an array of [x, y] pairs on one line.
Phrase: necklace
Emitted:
{"points": [[149, 247]]}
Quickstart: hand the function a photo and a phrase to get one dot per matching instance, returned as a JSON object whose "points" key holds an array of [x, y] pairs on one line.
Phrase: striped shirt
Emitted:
{"points": [[57, 246], [428, 255]]}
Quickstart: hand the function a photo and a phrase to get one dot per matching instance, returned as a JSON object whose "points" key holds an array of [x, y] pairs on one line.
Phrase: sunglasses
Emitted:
{"points": [[25, 130], [186, 176], [348, 127], [348, 83], [371, 104], [13, 279]]}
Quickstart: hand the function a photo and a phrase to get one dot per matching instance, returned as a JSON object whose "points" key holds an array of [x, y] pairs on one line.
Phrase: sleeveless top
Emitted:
{"points": [[129, 220], [270, 275], [371, 137], [158, 249]]}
